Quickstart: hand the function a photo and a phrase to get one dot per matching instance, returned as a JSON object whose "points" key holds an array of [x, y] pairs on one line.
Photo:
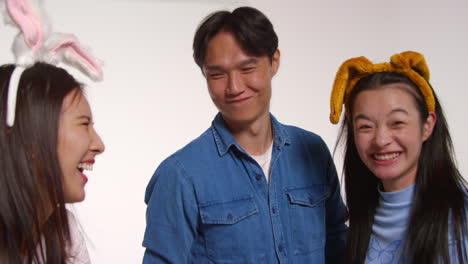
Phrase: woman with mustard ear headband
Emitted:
{"points": [[406, 199]]}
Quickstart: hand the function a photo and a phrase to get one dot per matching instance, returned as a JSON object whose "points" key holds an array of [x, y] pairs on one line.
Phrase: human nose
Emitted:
{"points": [[234, 85], [382, 137], [97, 145]]}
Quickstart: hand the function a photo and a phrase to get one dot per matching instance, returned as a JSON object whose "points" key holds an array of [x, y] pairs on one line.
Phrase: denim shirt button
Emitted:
{"points": [[273, 210], [258, 177], [280, 248], [229, 217]]}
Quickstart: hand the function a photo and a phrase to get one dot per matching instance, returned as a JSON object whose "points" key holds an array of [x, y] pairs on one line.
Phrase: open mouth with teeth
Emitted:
{"points": [[85, 166], [386, 157]]}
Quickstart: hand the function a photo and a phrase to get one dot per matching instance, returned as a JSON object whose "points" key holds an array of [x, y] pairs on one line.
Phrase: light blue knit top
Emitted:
{"points": [[390, 226]]}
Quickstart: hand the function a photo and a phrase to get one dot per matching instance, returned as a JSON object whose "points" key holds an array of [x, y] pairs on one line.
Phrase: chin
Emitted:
{"points": [[81, 198], [76, 198], [242, 117], [392, 178], [385, 175]]}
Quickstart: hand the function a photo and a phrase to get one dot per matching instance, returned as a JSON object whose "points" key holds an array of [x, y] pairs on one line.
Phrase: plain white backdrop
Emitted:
{"points": [[154, 99]]}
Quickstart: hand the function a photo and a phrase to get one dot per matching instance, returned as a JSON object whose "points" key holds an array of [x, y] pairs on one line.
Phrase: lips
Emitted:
{"points": [[386, 156], [385, 159], [239, 100], [85, 165], [85, 178]]}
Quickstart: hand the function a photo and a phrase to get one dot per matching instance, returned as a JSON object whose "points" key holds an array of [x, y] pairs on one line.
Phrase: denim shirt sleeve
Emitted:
{"points": [[335, 223], [171, 215]]}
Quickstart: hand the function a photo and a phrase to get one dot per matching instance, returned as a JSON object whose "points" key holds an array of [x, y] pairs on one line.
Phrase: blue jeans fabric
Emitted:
{"points": [[210, 202]]}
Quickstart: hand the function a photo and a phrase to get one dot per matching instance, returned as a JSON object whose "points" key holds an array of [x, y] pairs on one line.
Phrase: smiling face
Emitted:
{"points": [[239, 84], [78, 144], [389, 133]]}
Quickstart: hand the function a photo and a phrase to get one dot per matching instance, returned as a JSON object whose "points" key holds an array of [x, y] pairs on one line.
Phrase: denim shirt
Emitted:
{"points": [[210, 202]]}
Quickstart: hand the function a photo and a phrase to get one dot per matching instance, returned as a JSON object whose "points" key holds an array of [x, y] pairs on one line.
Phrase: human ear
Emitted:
{"points": [[275, 61], [428, 125]]}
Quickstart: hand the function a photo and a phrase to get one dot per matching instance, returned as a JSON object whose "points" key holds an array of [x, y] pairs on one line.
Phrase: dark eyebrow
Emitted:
{"points": [[247, 62], [240, 64], [396, 110], [213, 67], [361, 116], [84, 117]]}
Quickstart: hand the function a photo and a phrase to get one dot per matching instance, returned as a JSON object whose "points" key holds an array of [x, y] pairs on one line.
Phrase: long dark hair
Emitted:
{"points": [[33, 220], [439, 194]]}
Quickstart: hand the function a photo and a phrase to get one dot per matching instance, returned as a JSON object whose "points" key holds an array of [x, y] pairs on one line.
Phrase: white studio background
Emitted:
{"points": [[154, 99]]}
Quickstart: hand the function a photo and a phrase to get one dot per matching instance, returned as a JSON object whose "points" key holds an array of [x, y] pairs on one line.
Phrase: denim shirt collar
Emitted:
{"points": [[224, 139]]}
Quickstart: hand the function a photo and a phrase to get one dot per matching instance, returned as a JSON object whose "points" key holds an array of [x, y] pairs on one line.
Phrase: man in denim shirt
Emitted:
{"points": [[249, 189]]}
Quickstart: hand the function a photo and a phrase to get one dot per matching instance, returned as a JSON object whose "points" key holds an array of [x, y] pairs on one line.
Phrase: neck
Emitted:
{"points": [[254, 137], [398, 184]]}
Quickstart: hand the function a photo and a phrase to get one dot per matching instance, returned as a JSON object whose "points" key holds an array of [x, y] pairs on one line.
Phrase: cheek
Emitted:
{"points": [[258, 81], [411, 139], [413, 144], [73, 145], [215, 89], [62, 147], [64, 154], [362, 144]]}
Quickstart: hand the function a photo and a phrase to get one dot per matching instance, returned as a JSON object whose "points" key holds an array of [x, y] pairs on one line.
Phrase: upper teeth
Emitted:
{"points": [[85, 166], [386, 156]]}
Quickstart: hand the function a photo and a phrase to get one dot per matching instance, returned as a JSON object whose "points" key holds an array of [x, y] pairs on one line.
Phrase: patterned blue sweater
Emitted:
{"points": [[389, 229]]}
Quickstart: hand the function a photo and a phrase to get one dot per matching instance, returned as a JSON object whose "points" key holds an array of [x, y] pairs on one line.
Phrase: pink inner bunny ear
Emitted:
{"points": [[76, 55], [30, 25]]}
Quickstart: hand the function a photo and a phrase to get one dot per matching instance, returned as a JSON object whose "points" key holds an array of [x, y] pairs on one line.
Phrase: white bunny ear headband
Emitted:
{"points": [[35, 42]]}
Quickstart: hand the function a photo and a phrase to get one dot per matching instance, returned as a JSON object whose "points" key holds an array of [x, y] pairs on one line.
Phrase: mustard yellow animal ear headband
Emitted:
{"points": [[409, 63]]}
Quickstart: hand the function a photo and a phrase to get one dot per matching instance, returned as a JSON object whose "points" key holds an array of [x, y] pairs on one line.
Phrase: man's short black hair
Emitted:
{"points": [[252, 29]]}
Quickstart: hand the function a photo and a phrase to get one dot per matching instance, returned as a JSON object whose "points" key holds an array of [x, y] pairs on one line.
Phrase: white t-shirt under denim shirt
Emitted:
{"points": [[264, 160]]}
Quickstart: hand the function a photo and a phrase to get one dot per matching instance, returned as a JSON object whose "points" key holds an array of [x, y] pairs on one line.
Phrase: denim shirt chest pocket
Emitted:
{"points": [[229, 227], [307, 216]]}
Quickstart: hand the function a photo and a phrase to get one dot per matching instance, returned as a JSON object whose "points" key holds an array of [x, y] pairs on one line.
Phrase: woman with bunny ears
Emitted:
{"points": [[406, 199], [43, 157], [47, 140]]}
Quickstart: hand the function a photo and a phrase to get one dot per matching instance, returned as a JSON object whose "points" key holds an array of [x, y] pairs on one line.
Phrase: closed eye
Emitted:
{"points": [[85, 120], [398, 123], [248, 69], [215, 75], [364, 127]]}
